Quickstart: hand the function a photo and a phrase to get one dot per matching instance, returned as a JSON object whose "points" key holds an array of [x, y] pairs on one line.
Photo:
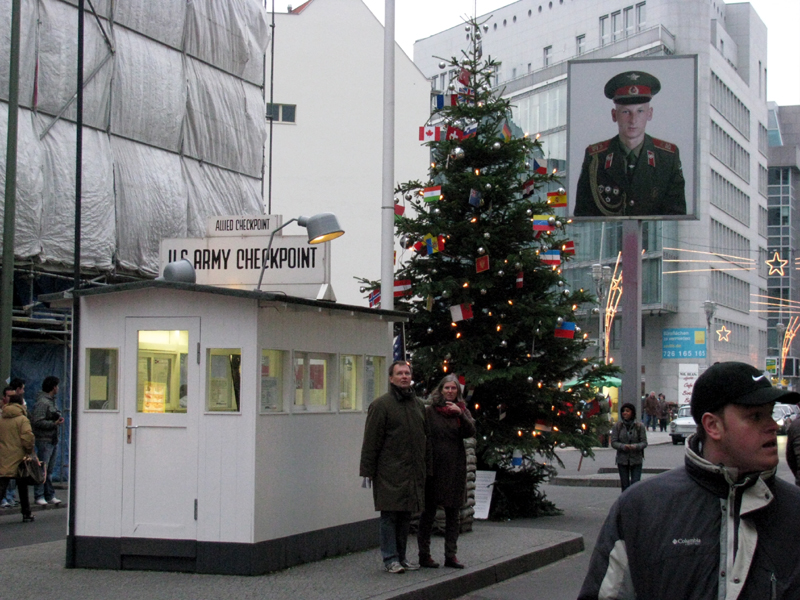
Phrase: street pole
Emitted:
{"points": [[7, 281], [709, 307], [781, 329]]}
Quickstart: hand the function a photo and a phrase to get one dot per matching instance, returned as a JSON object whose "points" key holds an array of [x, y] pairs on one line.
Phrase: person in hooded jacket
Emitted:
{"points": [[449, 424], [16, 442], [629, 439]]}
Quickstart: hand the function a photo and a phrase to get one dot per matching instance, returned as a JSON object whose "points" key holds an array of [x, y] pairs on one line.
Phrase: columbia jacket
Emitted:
{"points": [[16, 438], [699, 532]]}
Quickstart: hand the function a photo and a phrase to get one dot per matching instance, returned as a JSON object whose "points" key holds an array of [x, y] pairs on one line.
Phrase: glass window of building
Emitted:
{"points": [[224, 370], [288, 112], [616, 26], [101, 378], [311, 381], [547, 55], [349, 384], [604, 31], [375, 377], [641, 16], [580, 44], [162, 369], [627, 18], [273, 363]]}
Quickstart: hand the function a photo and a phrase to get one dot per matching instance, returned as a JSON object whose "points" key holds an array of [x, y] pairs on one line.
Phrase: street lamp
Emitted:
{"points": [[710, 307], [602, 280], [321, 228]]}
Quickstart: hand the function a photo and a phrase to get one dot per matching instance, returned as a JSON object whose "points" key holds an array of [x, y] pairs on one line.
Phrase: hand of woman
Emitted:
{"points": [[453, 408]]}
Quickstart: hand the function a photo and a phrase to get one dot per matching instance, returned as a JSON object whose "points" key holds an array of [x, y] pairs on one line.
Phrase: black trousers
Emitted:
{"points": [[451, 528], [22, 488]]}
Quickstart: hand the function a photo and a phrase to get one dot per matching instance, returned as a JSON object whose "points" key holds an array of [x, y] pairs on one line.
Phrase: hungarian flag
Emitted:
{"points": [[506, 132], [528, 188], [402, 287], [556, 199], [520, 279], [565, 330], [460, 312], [434, 243], [541, 425], [568, 247], [463, 77], [454, 133], [481, 264], [399, 209], [539, 166], [542, 223], [430, 134], [551, 257], [432, 194], [375, 299]]}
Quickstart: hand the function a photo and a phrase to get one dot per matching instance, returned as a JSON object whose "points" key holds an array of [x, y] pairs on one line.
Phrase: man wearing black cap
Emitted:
{"points": [[723, 526], [632, 174]]}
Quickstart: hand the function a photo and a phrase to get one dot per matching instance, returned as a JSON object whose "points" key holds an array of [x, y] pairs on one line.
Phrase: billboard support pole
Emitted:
{"points": [[631, 341]]}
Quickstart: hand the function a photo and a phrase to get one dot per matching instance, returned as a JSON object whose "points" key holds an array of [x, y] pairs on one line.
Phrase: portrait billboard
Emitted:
{"points": [[632, 138]]}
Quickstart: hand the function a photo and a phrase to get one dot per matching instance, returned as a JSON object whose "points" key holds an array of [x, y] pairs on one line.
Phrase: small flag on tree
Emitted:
{"points": [[506, 132], [539, 166], [481, 264], [474, 197], [556, 199], [419, 247], [402, 287], [454, 133], [528, 188], [375, 299], [542, 425], [520, 279], [568, 247], [463, 77], [399, 209], [566, 330], [429, 303], [551, 257], [430, 134], [432, 194], [442, 100], [460, 312], [434, 243], [470, 131], [542, 223]]}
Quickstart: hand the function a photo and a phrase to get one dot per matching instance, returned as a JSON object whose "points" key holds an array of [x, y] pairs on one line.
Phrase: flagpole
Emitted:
{"points": [[387, 195]]}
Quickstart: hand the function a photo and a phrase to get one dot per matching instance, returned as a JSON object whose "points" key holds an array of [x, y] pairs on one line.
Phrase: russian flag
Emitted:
{"points": [[542, 223], [566, 330], [461, 312], [551, 257], [539, 166]]}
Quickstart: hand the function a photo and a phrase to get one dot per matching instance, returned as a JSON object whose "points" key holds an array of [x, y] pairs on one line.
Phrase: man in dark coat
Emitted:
{"points": [[45, 422], [394, 458], [632, 174]]}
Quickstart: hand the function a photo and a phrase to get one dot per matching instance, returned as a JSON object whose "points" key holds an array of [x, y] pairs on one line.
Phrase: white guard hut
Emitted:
{"points": [[221, 429]]}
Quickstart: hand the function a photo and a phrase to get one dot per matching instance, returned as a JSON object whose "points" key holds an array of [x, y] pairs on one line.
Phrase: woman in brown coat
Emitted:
{"points": [[16, 441], [449, 423]]}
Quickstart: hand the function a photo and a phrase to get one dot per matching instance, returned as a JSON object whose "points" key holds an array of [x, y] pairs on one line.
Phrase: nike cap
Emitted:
{"points": [[735, 383]]}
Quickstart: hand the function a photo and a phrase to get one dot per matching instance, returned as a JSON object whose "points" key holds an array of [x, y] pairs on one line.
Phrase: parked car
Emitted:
{"points": [[783, 415], [683, 426]]}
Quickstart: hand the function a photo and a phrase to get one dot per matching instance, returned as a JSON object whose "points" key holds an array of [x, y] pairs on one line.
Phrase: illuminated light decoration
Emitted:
{"points": [[466, 284], [776, 265], [724, 334], [454, 324], [788, 338], [444, 368], [489, 367], [511, 303], [583, 426], [458, 335], [477, 406], [540, 385], [519, 432], [477, 171], [555, 428], [499, 327]]}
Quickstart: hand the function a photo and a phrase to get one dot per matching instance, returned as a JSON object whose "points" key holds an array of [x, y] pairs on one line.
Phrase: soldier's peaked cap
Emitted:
{"points": [[632, 87]]}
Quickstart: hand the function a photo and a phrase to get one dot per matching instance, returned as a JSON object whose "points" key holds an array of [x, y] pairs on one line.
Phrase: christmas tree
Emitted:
{"points": [[484, 287]]}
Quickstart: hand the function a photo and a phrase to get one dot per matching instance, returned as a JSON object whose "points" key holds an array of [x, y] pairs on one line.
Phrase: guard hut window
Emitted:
{"points": [[162, 368], [349, 382], [375, 378], [311, 372], [101, 378], [223, 381], [273, 375], [284, 113]]}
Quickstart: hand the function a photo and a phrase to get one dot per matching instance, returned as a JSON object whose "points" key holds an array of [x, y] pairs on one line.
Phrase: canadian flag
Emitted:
{"points": [[430, 134], [460, 312]]}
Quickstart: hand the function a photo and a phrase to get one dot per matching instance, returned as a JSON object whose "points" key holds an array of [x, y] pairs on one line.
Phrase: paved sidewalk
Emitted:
{"points": [[492, 553]]}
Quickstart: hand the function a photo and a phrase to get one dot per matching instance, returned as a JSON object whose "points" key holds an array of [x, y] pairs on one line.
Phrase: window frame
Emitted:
{"points": [[113, 381]]}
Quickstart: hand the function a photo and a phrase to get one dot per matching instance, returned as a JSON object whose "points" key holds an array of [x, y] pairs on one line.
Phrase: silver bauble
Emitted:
{"points": [[558, 223], [362, 289], [457, 153], [595, 311], [503, 344], [560, 283], [486, 27], [447, 357], [445, 294], [537, 331], [487, 235], [442, 65], [481, 250], [409, 195], [403, 241], [485, 310], [430, 330], [500, 273], [551, 221], [529, 212], [434, 271], [562, 445], [502, 315], [530, 380], [559, 320], [577, 329], [452, 87], [436, 211], [488, 187], [497, 146], [467, 28], [517, 266], [483, 291], [566, 293]]}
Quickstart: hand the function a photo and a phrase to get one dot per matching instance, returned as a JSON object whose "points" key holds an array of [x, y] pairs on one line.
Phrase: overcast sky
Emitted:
{"points": [[416, 19]]}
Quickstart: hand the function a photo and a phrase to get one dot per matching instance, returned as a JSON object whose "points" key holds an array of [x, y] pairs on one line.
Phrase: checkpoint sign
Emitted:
{"points": [[683, 343]]}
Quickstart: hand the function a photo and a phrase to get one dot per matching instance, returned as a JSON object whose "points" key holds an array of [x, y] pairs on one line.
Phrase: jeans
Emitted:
{"points": [[9, 496], [47, 454], [629, 474], [394, 535]]}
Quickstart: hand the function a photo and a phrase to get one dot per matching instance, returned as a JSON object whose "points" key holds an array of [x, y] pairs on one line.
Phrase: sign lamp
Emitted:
{"points": [[321, 228]]}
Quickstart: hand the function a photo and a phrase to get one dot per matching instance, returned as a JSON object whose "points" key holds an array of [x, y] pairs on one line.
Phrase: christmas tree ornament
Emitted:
{"points": [[487, 235], [436, 211], [486, 27], [452, 87], [442, 65], [483, 293], [445, 294], [558, 224], [595, 311], [500, 273], [560, 283], [497, 146], [467, 28], [481, 250], [566, 293], [502, 315], [529, 212], [457, 153], [559, 320], [503, 344], [434, 271], [362, 289], [447, 356], [517, 265], [409, 195], [551, 221], [481, 264]]}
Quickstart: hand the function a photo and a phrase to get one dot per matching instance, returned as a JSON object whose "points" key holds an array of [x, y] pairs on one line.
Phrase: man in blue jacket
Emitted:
{"points": [[723, 526]]}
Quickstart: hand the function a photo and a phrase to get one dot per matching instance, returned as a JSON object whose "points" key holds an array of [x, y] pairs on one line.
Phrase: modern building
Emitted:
{"points": [[705, 275], [327, 142], [783, 228]]}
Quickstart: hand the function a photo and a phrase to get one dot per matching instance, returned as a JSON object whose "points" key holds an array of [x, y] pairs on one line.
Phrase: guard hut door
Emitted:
{"points": [[162, 402]]}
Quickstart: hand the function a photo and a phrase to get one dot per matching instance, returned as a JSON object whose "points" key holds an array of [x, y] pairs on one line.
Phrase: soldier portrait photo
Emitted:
{"points": [[634, 173]]}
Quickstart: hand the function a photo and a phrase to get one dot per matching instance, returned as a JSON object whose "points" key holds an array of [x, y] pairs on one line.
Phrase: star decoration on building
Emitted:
{"points": [[723, 334], [776, 264]]}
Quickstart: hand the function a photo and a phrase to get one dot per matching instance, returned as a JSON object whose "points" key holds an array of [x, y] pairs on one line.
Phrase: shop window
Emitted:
{"points": [[375, 377], [223, 382], [349, 384], [101, 378], [272, 378], [311, 381], [162, 367]]}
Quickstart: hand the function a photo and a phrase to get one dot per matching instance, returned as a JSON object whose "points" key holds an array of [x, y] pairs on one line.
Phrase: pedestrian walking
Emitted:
{"points": [[650, 410], [793, 449], [629, 439], [449, 424], [16, 442], [733, 526], [663, 413], [45, 422]]}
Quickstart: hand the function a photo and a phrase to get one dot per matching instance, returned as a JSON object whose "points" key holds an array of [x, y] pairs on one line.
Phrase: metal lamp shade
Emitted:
{"points": [[321, 227]]}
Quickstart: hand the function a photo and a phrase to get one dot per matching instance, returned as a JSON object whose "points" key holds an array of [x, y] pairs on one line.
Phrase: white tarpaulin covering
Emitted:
{"points": [[168, 139]]}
